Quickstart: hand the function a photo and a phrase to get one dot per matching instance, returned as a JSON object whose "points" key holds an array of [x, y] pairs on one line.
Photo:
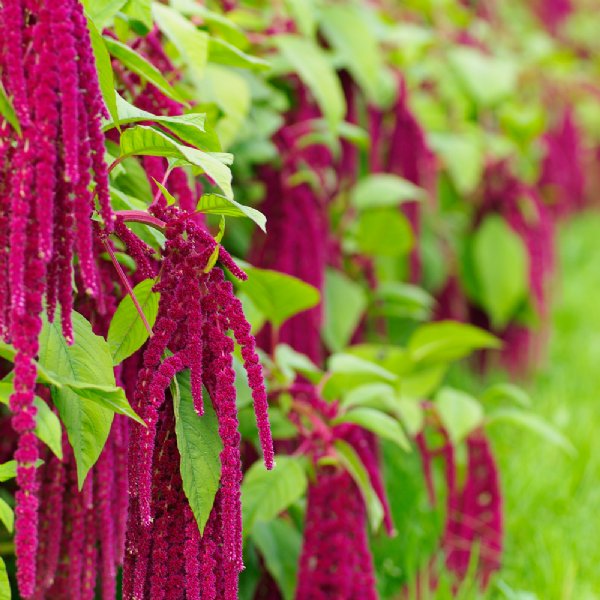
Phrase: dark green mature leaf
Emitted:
{"points": [[460, 413], [127, 332], [191, 43], [501, 267], [280, 542], [267, 493], [147, 141], [222, 52], [277, 295], [345, 302], [86, 361], [215, 204], [384, 190], [384, 232], [142, 67], [199, 446], [379, 423], [445, 341], [313, 67], [48, 427], [7, 515], [352, 463], [5, 591], [7, 110], [106, 78]]}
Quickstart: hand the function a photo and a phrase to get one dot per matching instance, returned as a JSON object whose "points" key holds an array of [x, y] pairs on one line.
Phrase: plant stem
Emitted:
{"points": [[140, 216]]}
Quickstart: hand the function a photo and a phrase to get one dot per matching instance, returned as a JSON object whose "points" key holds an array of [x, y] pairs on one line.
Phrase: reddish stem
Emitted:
{"points": [[140, 216]]}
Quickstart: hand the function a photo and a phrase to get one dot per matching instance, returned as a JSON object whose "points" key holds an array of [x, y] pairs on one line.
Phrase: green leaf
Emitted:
{"points": [[7, 110], [352, 463], [106, 78], [445, 341], [147, 141], [47, 428], [311, 64], [7, 516], [224, 53], [379, 423], [215, 204], [199, 446], [140, 12], [5, 592], [87, 361], [348, 363], [265, 494], [534, 424], [102, 12], [280, 542], [140, 66], [501, 267], [384, 232], [291, 362], [277, 295], [404, 300], [344, 305], [191, 43], [384, 190], [303, 13], [8, 470], [460, 413], [507, 392], [127, 333], [44, 376]]}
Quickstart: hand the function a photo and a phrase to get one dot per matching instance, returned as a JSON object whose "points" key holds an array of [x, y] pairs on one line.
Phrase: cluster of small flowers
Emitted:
{"points": [[196, 310], [47, 168]]}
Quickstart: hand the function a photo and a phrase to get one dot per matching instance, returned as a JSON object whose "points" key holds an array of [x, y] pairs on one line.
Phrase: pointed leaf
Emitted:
{"points": [[215, 204], [379, 423], [7, 110], [7, 515], [5, 591], [460, 413]]}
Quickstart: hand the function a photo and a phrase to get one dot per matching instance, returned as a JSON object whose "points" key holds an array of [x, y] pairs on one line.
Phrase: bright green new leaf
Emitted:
{"points": [[384, 190], [215, 204], [277, 295], [102, 12], [314, 68], [404, 300], [279, 543], [8, 470], [344, 305], [5, 591], [350, 364], [304, 15], [445, 341], [191, 43], [7, 110], [127, 333], [147, 141], [265, 494], [352, 463], [7, 516], [460, 413], [503, 392], [291, 362], [140, 15], [199, 446], [379, 423], [384, 232], [224, 53], [501, 266]]}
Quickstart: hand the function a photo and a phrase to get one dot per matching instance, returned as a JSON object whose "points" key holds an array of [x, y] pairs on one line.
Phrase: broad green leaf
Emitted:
{"points": [[5, 591], [504, 392], [48, 428], [291, 362], [102, 12], [44, 375], [352, 463], [106, 78], [372, 395], [215, 204], [277, 295], [445, 341], [199, 446], [7, 516], [404, 300], [535, 424], [384, 190], [460, 413], [411, 414], [140, 66], [501, 267], [265, 494], [384, 232], [8, 470], [344, 304], [7, 110], [191, 43], [224, 53], [147, 141], [280, 542], [348, 33], [379, 423], [312, 65], [140, 12], [350, 364], [486, 79], [86, 361], [127, 332], [422, 380], [304, 15]]}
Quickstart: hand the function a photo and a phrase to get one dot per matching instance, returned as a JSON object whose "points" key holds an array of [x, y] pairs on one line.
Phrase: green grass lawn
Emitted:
{"points": [[552, 500]]}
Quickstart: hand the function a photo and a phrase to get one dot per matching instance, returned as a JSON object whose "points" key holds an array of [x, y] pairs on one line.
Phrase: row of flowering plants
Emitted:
{"points": [[247, 249]]}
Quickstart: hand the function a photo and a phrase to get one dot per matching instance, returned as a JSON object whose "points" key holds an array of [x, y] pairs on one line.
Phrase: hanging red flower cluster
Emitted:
{"points": [[52, 166], [197, 307]]}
